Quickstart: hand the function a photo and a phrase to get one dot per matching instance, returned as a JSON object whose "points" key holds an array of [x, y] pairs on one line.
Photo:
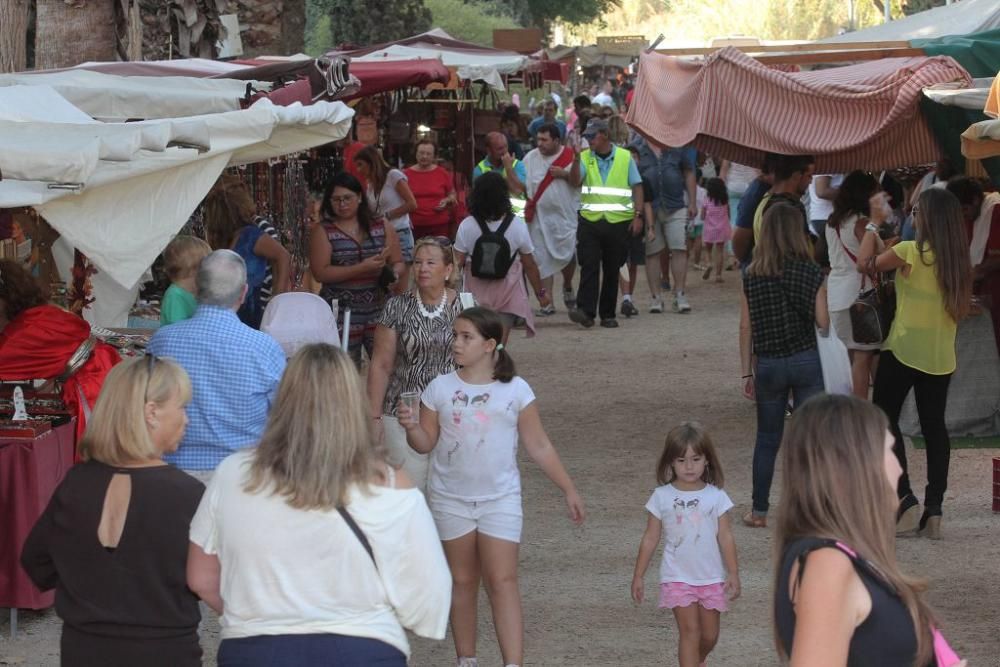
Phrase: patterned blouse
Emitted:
{"points": [[361, 295], [423, 346]]}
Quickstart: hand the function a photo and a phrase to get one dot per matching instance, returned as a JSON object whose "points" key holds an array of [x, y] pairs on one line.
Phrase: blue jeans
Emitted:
{"points": [[318, 650], [799, 375]]}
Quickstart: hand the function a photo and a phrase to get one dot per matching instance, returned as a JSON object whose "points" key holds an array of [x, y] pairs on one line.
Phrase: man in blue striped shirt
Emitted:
{"points": [[234, 369]]}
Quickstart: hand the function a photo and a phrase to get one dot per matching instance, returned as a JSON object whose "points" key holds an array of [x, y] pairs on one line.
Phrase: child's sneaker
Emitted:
{"points": [[466, 662]]}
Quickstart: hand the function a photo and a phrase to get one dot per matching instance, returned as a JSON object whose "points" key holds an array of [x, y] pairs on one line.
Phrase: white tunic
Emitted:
{"points": [[553, 231]]}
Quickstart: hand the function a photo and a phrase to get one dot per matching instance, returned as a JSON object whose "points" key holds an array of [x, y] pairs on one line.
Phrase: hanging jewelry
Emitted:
{"points": [[430, 314]]}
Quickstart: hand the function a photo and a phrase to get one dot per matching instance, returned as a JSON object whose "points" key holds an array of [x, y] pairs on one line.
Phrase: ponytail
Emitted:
{"points": [[490, 326], [504, 370]]}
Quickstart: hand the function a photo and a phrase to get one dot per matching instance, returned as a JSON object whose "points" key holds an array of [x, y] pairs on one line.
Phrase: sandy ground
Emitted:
{"points": [[607, 398]]}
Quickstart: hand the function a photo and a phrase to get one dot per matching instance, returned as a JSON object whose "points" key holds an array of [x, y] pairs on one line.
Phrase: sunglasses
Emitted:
{"points": [[439, 241], [151, 360]]}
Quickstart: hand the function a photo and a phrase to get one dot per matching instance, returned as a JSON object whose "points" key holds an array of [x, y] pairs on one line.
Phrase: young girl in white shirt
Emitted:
{"points": [[699, 566], [470, 421]]}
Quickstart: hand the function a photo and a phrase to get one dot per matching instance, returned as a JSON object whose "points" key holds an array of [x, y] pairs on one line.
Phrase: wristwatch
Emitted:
{"points": [[871, 227]]}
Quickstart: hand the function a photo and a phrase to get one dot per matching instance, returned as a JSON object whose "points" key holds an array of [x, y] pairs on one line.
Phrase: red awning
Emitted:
{"points": [[860, 116]]}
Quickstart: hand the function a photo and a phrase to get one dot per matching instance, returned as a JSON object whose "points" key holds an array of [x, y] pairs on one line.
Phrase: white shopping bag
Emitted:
{"points": [[835, 361]]}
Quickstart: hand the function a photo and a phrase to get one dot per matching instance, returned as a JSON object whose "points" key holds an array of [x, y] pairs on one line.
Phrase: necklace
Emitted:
{"points": [[430, 314]]}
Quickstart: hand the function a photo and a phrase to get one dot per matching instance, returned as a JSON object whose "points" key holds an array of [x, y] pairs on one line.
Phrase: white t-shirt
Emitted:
{"points": [[388, 199], [819, 208], [739, 177], [604, 100], [844, 282], [290, 571], [517, 235], [690, 520], [475, 458]]}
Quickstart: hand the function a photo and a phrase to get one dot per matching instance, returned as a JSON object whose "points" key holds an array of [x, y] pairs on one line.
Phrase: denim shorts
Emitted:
{"points": [[310, 649], [406, 243]]}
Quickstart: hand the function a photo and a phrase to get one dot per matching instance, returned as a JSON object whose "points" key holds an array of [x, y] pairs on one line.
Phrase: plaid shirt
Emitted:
{"points": [[783, 309], [234, 373]]}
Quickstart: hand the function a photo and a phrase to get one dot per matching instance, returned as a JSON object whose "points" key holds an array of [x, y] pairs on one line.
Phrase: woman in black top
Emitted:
{"points": [[113, 540], [839, 597], [786, 300]]}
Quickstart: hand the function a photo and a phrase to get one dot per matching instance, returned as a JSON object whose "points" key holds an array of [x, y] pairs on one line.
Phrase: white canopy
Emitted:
{"points": [[469, 65], [963, 17], [951, 94], [119, 98], [133, 185]]}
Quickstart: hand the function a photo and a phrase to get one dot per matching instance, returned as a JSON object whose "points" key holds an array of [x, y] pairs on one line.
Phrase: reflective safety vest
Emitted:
{"points": [[610, 200], [517, 201]]}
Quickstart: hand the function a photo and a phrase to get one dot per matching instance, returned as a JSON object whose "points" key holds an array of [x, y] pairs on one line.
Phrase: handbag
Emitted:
{"points": [[874, 309]]}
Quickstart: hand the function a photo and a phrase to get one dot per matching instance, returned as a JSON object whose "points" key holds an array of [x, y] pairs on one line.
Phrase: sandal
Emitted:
{"points": [[751, 520]]}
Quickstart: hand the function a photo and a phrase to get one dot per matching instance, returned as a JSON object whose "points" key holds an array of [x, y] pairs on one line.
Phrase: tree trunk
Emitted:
{"points": [[293, 27], [70, 34], [13, 35], [272, 27]]}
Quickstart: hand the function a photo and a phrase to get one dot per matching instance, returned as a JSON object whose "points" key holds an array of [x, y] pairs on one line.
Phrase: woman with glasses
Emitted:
{"points": [[39, 340], [434, 190], [355, 256], [113, 540], [413, 340], [933, 293]]}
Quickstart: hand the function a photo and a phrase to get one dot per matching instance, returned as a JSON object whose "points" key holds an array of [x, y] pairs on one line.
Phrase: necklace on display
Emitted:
{"points": [[431, 314]]}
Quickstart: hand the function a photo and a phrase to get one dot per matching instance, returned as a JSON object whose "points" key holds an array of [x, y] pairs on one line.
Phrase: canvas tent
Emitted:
{"points": [[736, 108], [959, 18], [119, 191]]}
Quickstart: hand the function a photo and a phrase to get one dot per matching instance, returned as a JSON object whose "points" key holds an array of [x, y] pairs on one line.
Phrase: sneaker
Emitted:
{"points": [[466, 662], [569, 299], [657, 305], [611, 323], [629, 309], [681, 304], [581, 318], [546, 311], [706, 273]]}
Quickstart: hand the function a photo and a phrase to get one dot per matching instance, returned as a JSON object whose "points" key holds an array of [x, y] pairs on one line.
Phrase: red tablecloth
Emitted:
{"points": [[30, 471]]}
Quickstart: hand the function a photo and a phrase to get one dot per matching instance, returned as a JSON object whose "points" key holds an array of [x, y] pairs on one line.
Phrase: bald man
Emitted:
{"points": [[498, 157]]}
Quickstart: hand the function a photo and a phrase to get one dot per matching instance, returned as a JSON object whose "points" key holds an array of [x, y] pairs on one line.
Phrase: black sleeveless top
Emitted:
{"points": [[884, 639]]}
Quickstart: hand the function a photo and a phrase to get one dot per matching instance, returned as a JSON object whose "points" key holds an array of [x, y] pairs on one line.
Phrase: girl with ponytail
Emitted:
{"points": [[470, 422]]}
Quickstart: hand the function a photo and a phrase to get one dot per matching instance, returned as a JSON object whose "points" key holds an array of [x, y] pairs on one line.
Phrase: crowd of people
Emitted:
{"points": [[290, 497]]}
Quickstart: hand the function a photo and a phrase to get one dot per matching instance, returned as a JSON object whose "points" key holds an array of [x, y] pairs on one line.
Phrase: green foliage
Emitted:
{"points": [[914, 6], [318, 40], [470, 21], [543, 13], [362, 22]]}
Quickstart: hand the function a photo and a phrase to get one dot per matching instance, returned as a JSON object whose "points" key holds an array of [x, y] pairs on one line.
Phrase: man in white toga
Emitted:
{"points": [[554, 174]]}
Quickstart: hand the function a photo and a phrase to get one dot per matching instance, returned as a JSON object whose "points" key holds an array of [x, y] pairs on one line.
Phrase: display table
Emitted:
{"points": [[30, 471]]}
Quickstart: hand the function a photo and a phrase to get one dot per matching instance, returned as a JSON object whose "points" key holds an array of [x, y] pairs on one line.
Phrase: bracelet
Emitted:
{"points": [[871, 227]]}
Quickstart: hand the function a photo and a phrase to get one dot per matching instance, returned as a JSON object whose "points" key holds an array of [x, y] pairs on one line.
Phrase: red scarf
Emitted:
{"points": [[565, 158]]}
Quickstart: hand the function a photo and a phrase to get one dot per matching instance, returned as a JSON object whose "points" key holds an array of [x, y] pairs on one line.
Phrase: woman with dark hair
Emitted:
{"points": [[786, 300], [490, 209], [232, 223], [389, 196], [859, 201], [470, 422], [348, 253], [933, 293], [41, 341], [433, 189]]}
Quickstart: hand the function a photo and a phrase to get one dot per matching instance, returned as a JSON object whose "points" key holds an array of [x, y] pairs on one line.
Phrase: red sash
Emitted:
{"points": [[565, 158]]}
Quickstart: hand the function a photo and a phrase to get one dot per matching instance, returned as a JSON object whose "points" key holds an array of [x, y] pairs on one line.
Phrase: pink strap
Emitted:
{"points": [[944, 654]]}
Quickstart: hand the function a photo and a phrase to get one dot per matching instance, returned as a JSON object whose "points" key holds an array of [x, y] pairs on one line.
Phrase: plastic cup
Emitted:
{"points": [[412, 401]]}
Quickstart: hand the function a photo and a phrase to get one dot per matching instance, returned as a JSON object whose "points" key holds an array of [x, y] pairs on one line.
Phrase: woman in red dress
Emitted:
{"points": [[434, 190], [42, 341]]}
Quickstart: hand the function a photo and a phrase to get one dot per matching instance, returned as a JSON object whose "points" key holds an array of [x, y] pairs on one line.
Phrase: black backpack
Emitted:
{"points": [[491, 256]]}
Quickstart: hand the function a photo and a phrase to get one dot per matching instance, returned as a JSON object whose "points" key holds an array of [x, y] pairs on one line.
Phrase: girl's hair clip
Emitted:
{"points": [[499, 347]]}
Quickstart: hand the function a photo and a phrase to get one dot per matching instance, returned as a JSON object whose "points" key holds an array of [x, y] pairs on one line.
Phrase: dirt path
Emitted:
{"points": [[607, 398]]}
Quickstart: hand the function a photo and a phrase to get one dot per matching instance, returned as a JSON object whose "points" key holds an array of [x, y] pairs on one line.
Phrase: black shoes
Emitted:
{"points": [[581, 318], [629, 309], [610, 324]]}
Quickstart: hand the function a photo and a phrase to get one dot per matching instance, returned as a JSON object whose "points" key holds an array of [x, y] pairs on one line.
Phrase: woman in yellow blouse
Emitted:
{"points": [[933, 293]]}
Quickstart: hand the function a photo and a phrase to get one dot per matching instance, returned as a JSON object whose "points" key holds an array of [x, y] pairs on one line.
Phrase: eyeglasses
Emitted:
{"points": [[151, 360], [346, 199]]}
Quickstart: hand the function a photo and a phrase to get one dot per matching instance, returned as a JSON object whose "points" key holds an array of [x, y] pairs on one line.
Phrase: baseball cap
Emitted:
{"points": [[595, 125]]}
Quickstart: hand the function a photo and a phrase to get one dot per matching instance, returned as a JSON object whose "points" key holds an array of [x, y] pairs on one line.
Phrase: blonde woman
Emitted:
{"points": [[120, 584], [306, 544], [786, 301], [839, 596]]}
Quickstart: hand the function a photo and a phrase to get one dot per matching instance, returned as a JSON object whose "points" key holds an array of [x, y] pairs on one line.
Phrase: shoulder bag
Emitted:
{"points": [[874, 309]]}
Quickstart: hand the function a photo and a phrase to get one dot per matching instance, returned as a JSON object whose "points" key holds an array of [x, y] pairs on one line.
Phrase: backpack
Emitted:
{"points": [[491, 255]]}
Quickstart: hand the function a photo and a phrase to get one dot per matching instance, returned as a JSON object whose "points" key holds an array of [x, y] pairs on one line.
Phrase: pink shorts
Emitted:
{"points": [[677, 594]]}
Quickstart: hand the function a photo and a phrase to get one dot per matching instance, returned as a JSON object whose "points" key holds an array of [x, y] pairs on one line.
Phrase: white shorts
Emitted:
{"points": [[500, 518]]}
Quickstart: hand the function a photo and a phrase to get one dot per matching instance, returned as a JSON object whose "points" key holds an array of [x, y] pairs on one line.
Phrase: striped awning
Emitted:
{"points": [[857, 116]]}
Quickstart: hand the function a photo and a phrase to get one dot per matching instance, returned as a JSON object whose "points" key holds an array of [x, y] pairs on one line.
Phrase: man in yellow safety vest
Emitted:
{"points": [[610, 209], [498, 157]]}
